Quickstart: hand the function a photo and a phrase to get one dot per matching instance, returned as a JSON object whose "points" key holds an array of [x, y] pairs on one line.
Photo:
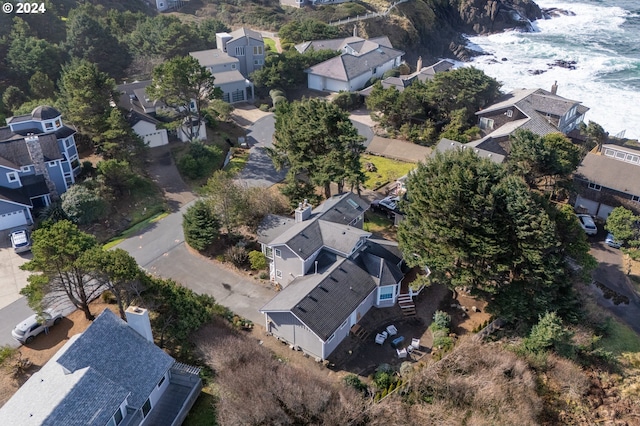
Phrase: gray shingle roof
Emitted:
{"points": [[119, 353], [341, 208], [14, 153], [273, 226], [323, 301], [45, 112], [346, 66], [447, 144], [226, 77], [610, 173], [245, 32], [342, 238], [212, 57]]}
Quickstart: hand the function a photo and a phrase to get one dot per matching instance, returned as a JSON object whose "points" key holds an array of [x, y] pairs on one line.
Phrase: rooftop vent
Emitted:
{"points": [[323, 289]]}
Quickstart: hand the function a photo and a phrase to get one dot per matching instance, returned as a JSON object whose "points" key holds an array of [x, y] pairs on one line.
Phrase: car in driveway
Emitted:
{"points": [[388, 205], [20, 240], [587, 223], [611, 241], [28, 329]]}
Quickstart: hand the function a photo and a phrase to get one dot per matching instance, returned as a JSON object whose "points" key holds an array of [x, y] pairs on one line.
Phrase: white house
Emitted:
{"points": [[358, 62], [112, 374]]}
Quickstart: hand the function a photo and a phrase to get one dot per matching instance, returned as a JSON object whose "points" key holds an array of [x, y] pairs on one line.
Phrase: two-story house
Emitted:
{"points": [[227, 76], [537, 110], [359, 61], [38, 161], [112, 374], [244, 44], [331, 273], [607, 180]]}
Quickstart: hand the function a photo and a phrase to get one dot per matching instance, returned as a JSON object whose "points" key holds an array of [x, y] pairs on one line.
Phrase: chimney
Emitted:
{"points": [[419, 64], [303, 212], [138, 319], [35, 152], [355, 31], [554, 88]]}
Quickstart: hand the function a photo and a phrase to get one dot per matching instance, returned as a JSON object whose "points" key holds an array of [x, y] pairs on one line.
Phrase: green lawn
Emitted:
{"points": [[378, 224], [203, 412], [388, 170], [620, 339], [270, 43], [238, 161], [154, 216]]}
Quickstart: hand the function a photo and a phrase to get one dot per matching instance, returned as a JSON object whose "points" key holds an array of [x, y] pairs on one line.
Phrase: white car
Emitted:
{"points": [[588, 224], [28, 329], [20, 241]]}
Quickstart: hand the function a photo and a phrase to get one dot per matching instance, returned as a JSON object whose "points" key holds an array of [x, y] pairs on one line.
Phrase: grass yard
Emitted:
{"points": [[380, 225], [388, 170], [620, 339], [270, 43], [203, 412], [238, 160], [155, 215]]}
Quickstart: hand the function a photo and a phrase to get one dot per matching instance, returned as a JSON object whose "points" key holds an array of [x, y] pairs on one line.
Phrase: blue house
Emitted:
{"points": [[38, 162]]}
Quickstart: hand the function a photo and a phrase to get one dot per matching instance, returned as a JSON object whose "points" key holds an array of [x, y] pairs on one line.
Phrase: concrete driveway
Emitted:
{"points": [[610, 273], [12, 278], [259, 171]]}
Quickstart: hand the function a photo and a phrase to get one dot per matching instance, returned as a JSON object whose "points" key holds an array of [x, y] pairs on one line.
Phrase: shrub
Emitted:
{"points": [[550, 333], [354, 381], [108, 297], [263, 107], [82, 205], [200, 161], [382, 379], [263, 276], [391, 73], [257, 259], [237, 255], [443, 342], [346, 100], [441, 321]]}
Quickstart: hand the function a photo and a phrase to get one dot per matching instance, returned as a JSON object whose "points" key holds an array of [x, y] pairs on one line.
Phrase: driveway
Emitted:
{"points": [[610, 273], [259, 171], [12, 278]]}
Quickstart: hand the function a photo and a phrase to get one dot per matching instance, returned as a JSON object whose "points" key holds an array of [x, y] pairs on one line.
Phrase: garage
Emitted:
{"points": [[12, 219]]}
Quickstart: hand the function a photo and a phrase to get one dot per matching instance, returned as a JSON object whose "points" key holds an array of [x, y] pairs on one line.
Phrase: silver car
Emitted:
{"points": [[587, 223], [28, 329]]}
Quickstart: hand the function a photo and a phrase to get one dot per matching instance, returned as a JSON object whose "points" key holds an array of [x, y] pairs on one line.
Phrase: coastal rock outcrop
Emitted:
{"points": [[491, 16]]}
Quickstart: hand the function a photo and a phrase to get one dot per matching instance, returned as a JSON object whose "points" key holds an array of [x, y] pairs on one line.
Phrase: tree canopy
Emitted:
{"points": [[476, 226], [316, 138]]}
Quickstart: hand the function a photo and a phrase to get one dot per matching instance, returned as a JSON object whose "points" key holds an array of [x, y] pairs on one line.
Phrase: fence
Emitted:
{"points": [[368, 15]]}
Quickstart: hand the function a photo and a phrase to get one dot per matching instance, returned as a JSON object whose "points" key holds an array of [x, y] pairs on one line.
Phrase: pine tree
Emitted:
{"points": [[200, 226]]}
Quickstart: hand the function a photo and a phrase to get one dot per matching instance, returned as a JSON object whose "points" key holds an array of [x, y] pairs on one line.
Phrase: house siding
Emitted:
{"points": [[247, 65], [4, 179], [500, 117], [287, 327], [290, 264], [56, 174], [7, 207], [228, 89], [604, 200], [338, 337], [151, 135]]}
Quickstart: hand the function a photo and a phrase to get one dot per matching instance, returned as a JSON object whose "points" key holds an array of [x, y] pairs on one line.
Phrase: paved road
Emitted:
{"points": [[610, 272], [259, 170]]}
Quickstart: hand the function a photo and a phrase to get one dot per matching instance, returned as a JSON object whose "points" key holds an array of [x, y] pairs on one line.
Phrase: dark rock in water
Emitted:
{"points": [[554, 12], [493, 16], [571, 65], [537, 72], [504, 59]]}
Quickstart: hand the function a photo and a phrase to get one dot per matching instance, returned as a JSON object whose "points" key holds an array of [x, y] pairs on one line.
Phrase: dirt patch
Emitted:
{"points": [[44, 347]]}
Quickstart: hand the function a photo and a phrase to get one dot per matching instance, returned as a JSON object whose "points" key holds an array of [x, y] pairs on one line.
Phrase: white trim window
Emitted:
{"points": [[486, 123], [635, 198], [277, 252], [331, 338], [594, 186], [257, 50], [240, 51], [25, 169], [12, 177], [258, 62], [51, 163], [278, 273], [509, 113]]}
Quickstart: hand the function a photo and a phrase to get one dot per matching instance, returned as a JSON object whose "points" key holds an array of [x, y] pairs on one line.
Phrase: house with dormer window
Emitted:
{"points": [[38, 162], [331, 272], [537, 110]]}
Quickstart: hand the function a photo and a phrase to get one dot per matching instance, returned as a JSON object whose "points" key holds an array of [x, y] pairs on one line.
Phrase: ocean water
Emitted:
{"points": [[603, 38]]}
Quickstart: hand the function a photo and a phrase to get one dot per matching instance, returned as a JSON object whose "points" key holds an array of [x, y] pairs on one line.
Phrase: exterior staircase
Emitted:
{"points": [[405, 301]]}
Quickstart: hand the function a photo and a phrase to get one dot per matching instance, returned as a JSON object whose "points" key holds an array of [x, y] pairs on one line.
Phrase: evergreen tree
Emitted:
{"points": [[41, 86], [13, 97], [200, 226], [29, 55], [317, 138], [625, 226]]}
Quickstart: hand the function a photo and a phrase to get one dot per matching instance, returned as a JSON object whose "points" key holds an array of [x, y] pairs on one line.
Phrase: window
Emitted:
{"points": [[620, 155], [257, 50], [25, 169], [258, 62], [486, 123], [635, 198], [58, 124], [278, 273], [146, 408], [331, 338], [233, 66], [594, 186], [386, 296], [609, 152], [509, 113], [344, 324], [68, 143], [12, 176], [161, 381], [278, 253], [51, 164], [633, 158], [268, 252], [240, 51], [386, 293], [48, 126], [118, 416]]}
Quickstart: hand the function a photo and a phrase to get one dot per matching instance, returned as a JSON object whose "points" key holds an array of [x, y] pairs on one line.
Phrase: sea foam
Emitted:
{"points": [[603, 79]]}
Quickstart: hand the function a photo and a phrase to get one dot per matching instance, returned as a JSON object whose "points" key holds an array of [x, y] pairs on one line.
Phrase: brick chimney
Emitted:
{"points": [[35, 152], [303, 212], [138, 319], [419, 64]]}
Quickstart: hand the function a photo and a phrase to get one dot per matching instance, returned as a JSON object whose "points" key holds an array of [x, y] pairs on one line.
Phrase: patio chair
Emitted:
{"points": [[415, 343], [402, 353], [392, 330], [380, 339]]}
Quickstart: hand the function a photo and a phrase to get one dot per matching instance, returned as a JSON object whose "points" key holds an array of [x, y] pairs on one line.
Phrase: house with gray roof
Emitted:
{"points": [[608, 179], [38, 162], [358, 62], [421, 74], [244, 44], [112, 374], [537, 110], [331, 272]]}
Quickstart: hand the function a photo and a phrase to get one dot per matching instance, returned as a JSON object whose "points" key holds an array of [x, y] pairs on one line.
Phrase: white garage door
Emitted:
{"points": [[13, 219]]}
